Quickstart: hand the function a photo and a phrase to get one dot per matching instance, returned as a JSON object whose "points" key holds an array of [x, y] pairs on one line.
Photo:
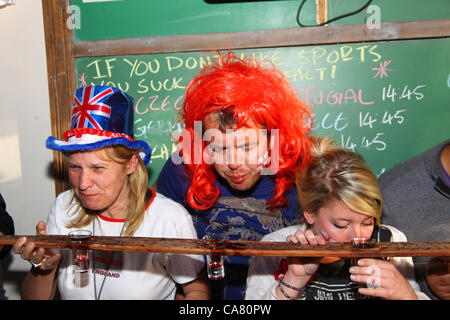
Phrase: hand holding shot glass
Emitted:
{"points": [[362, 242], [214, 262]]}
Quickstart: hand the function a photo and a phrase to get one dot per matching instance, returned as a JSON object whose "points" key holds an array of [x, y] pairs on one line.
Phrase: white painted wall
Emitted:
{"points": [[25, 163]]}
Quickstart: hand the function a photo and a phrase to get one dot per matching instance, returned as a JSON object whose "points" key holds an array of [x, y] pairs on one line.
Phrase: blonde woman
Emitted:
{"points": [[110, 197], [341, 200]]}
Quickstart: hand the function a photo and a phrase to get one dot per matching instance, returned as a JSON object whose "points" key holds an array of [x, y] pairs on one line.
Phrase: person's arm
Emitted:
{"points": [[39, 285], [264, 272], [300, 270], [437, 274], [40, 282], [197, 289]]}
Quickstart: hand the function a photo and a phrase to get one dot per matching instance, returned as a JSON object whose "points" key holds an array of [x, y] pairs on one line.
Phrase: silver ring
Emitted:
{"points": [[35, 265], [374, 285]]}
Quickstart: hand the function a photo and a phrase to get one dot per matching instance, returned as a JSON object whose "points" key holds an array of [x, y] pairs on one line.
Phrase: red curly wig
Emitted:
{"points": [[253, 95]]}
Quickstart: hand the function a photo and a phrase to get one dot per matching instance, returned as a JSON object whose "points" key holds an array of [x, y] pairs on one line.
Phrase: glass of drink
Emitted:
{"points": [[80, 258], [214, 262], [359, 243]]}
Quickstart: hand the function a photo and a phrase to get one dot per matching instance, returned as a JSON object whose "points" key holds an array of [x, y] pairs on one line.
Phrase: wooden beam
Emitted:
{"points": [[267, 38], [61, 77], [239, 248]]}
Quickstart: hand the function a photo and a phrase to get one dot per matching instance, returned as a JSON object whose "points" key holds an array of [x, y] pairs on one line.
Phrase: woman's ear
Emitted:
{"points": [[310, 217], [132, 164]]}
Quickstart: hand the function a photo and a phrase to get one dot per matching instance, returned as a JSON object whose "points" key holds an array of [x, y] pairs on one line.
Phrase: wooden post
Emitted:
{"points": [[61, 77]]}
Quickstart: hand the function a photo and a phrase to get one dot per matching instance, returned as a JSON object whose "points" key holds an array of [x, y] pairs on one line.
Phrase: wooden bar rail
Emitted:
{"points": [[239, 248]]}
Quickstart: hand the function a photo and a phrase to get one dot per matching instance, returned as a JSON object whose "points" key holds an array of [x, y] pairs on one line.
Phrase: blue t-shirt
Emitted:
{"points": [[240, 215]]}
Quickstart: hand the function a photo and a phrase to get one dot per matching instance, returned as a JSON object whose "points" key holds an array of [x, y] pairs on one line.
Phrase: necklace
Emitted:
{"points": [[97, 297]]}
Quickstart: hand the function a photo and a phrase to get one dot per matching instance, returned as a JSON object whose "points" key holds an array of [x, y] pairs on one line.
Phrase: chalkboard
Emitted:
{"points": [[144, 18], [386, 100]]}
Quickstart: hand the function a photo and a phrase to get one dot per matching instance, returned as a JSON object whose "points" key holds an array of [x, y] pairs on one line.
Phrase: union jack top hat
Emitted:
{"points": [[101, 116]]}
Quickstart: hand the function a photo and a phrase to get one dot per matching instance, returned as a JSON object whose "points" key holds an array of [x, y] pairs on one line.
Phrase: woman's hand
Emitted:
{"points": [[383, 280], [300, 270], [304, 266], [44, 259], [40, 282]]}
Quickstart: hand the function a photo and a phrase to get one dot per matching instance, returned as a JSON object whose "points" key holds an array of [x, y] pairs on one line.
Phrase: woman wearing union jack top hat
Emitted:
{"points": [[109, 197]]}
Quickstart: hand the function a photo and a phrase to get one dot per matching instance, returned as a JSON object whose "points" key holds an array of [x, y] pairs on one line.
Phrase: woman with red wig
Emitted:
{"points": [[244, 138]]}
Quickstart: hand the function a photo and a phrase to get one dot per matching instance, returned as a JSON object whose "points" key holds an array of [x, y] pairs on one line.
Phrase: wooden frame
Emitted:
{"points": [[405, 30], [61, 77], [62, 51]]}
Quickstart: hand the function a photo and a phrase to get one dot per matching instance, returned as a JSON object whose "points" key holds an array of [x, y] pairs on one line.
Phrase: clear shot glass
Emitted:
{"points": [[362, 242], [80, 258], [214, 262]]}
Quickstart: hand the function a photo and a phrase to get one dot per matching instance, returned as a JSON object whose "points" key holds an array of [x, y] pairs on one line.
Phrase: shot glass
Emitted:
{"points": [[80, 258], [362, 242], [214, 262]]}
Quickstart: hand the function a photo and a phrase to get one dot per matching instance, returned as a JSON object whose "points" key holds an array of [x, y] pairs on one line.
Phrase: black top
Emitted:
{"points": [[6, 225]]}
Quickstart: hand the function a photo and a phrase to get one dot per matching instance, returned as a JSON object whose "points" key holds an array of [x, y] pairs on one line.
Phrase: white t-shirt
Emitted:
{"points": [[131, 275]]}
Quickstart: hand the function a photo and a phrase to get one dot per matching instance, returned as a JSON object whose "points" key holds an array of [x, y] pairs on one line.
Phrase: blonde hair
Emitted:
{"points": [[137, 187], [338, 174]]}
